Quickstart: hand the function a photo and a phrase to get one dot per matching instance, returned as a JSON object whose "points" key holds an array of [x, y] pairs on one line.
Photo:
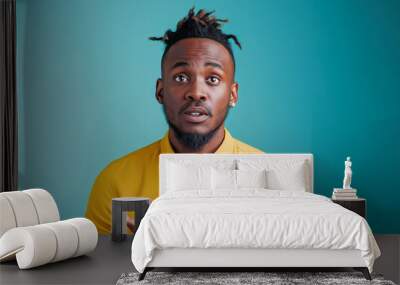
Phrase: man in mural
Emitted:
{"points": [[197, 89]]}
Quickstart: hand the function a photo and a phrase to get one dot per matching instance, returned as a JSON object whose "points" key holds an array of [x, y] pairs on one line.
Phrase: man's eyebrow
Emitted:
{"points": [[213, 64], [179, 63], [208, 63]]}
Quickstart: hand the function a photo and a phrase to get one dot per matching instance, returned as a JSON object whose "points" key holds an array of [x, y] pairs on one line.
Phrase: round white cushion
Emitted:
{"points": [[87, 234], [66, 238], [33, 246], [46, 207], [7, 218], [23, 208], [26, 208]]}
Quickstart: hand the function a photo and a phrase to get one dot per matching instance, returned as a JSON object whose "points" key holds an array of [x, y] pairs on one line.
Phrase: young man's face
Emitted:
{"points": [[197, 85]]}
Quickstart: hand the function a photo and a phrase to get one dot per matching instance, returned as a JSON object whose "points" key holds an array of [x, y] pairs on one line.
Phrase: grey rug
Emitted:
{"points": [[228, 278]]}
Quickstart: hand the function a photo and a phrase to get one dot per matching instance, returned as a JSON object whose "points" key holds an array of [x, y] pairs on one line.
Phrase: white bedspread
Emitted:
{"points": [[250, 218]]}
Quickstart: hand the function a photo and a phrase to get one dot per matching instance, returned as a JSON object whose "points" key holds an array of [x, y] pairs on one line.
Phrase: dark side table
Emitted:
{"points": [[356, 205], [120, 207]]}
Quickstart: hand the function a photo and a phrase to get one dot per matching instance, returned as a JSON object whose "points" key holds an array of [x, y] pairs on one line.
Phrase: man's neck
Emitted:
{"points": [[210, 147]]}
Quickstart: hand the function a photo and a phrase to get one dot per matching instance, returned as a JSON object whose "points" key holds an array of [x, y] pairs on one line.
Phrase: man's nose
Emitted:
{"points": [[196, 91]]}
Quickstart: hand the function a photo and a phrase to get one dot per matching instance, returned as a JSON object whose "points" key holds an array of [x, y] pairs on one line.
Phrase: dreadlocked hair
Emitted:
{"points": [[200, 25]]}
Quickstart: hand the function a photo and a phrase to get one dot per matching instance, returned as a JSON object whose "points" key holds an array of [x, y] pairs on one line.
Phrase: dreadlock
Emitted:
{"points": [[200, 25]]}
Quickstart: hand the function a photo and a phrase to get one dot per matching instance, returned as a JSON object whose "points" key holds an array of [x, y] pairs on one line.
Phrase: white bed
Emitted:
{"points": [[280, 224]]}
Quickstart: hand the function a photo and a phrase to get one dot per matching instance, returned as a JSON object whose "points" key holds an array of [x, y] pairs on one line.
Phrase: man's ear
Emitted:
{"points": [[234, 93], [159, 91]]}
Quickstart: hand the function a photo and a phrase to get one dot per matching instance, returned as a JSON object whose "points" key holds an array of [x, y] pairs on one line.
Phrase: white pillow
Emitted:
{"points": [[236, 179], [282, 174], [251, 178], [290, 179], [181, 177], [223, 179]]}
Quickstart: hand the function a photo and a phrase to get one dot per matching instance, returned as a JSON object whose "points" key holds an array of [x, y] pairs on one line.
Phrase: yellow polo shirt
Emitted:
{"points": [[136, 174]]}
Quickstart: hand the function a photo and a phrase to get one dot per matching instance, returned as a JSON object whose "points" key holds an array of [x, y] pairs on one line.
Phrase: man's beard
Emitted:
{"points": [[194, 141]]}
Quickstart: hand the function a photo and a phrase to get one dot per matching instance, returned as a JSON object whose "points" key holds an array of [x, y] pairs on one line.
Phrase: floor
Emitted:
{"points": [[388, 263]]}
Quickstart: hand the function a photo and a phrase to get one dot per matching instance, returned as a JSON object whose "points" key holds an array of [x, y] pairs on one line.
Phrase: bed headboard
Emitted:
{"points": [[213, 159]]}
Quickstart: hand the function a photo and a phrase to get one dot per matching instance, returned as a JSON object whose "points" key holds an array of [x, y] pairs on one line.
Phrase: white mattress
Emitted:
{"points": [[250, 218]]}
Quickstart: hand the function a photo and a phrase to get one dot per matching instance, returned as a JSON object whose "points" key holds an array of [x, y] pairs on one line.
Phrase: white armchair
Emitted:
{"points": [[31, 231]]}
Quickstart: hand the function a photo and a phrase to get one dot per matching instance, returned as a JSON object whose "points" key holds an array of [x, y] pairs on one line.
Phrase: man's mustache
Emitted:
{"points": [[194, 105]]}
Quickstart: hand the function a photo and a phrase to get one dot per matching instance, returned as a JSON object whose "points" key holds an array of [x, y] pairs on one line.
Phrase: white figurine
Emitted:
{"points": [[347, 174]]}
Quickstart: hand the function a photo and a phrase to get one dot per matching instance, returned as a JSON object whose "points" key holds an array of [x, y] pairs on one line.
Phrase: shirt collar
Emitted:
{"points": [[227, 145]]}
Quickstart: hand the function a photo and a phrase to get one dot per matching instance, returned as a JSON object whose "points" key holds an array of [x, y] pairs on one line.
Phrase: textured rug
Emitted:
{"points": [[270, 278]]}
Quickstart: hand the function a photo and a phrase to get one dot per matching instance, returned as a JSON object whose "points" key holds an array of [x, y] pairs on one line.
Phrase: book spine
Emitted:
{"points": [[344, 198]]}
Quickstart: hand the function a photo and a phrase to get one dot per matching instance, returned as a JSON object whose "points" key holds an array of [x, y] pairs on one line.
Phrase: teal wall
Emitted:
{"points": [[315, 76]]}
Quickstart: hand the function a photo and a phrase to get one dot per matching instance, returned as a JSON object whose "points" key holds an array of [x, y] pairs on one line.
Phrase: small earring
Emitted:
{"points": [[232, 103]]}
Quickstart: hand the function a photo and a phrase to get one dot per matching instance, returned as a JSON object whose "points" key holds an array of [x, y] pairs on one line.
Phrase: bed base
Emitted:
{"points": [[251, 259], [364, 270]]}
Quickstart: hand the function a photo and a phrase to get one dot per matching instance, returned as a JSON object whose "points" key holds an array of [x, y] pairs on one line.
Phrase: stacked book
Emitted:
{"points": [[344, 194]]}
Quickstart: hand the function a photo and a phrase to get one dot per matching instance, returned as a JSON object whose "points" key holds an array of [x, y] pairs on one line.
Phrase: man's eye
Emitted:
{"points": [[213, 80], [181, 78]]}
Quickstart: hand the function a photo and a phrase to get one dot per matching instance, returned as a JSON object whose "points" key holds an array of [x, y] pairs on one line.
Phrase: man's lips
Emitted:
{"points": [[195, 118], [195, 115]]}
